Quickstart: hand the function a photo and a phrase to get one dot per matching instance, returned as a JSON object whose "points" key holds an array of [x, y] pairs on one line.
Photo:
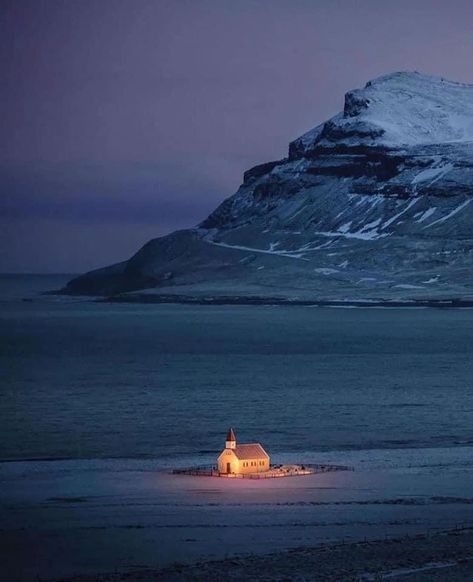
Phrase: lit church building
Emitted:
{"points": [[240, 459]]}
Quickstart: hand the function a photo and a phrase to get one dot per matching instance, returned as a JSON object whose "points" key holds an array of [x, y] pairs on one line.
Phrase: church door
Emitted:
{"points": [[229, 468]]}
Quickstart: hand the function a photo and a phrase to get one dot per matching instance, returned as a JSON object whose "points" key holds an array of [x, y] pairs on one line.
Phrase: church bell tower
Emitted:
{"points": [[230, 443]]}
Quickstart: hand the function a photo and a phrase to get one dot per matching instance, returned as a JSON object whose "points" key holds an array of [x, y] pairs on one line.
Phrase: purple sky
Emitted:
{"points": [[121, 120]]}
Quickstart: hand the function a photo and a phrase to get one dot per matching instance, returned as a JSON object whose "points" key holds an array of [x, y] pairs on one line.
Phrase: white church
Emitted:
{"points": [[239, 459]]}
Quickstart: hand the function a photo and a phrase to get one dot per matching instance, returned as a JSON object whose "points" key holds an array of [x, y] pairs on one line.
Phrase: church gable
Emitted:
{"points": [[227, 455]]}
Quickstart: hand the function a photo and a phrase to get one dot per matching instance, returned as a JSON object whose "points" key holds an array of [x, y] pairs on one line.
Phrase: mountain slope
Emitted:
{"points": [[376, 203]]}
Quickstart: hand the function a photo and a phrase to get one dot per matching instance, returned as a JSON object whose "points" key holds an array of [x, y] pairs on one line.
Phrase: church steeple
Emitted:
{"points": [[230, 443]]}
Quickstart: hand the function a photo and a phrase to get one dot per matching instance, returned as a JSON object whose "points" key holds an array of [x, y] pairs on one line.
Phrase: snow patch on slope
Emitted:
{"points": [[450, 214], [431, 175], [423, 216]]}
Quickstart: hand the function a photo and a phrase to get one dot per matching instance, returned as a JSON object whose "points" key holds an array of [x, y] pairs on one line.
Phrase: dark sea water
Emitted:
{"points": [[81, 379]]}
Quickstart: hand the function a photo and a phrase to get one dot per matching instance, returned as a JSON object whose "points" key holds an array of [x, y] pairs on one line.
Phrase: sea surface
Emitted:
{"points": [[82, 379]]}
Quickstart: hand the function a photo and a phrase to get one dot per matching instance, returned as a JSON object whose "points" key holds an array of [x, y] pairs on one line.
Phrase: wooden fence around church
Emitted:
{"points": [[274, 472]]}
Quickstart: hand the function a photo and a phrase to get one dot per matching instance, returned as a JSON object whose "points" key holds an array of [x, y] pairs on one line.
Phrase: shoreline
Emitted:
{"points": [[165, 462], [271, 301], [262, 300], [420, 557]]}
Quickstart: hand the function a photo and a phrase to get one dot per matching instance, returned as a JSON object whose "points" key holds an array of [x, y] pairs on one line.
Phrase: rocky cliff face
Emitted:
{"points": [[376, 203]]}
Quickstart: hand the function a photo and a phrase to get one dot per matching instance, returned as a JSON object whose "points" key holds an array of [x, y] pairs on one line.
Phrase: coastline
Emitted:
{"points": [[258, 296], [145, 298]]}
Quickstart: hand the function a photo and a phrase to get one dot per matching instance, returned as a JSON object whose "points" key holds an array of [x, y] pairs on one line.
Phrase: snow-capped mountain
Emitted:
{"points": [[375, 203]]}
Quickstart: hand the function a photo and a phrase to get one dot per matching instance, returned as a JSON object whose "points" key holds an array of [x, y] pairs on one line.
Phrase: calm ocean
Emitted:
{"points": [[90, 380]]}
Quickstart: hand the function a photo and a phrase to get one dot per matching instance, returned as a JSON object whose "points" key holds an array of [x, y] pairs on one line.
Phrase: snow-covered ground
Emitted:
{"points": [[62, 518]]}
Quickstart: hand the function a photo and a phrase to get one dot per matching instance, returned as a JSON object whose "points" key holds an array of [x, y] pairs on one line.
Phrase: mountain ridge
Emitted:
{"points": [[375, 203]]}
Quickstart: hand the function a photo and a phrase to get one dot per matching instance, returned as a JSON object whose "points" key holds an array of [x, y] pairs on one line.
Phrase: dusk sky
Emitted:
{"points": [[121, 120]]}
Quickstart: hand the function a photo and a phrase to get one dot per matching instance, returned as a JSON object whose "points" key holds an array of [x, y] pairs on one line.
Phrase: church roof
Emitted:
{"points": [[231, 435], [251, 451]]}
